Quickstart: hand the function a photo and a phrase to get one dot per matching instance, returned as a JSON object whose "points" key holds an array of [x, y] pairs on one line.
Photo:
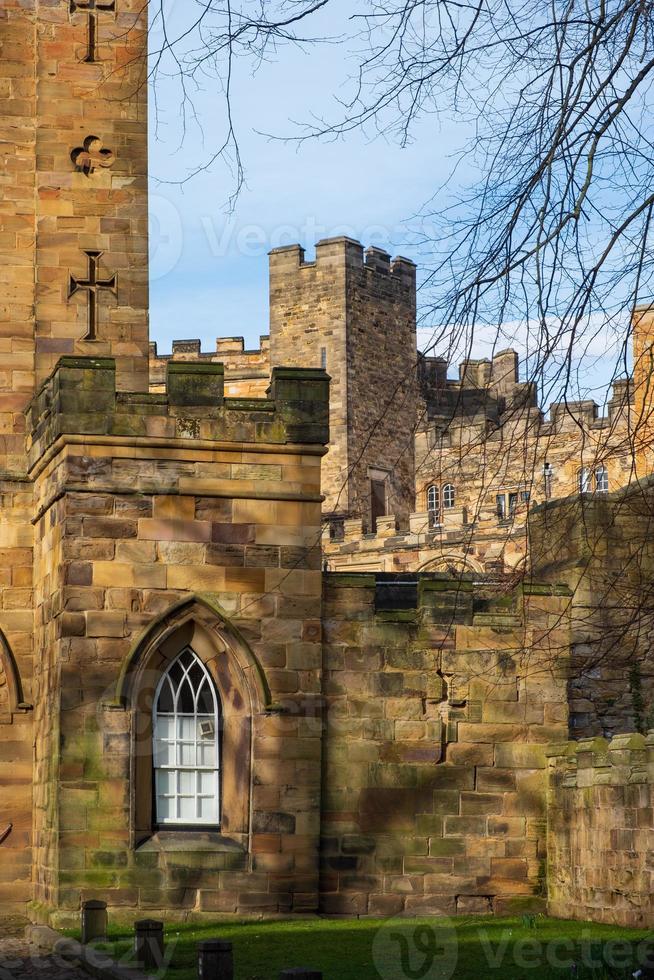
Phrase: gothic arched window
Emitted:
{"points": [[448, 496], [186, 727]]}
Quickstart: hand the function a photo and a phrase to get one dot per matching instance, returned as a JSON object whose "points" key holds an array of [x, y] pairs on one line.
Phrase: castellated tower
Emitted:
{"points": [[355, 316]]}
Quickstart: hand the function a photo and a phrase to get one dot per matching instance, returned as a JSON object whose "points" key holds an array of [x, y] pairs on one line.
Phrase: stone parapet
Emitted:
{"points": [[423, 545], [80, 398]]}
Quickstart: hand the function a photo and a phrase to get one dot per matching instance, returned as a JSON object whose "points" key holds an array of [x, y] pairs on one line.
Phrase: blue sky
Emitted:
{"points": [[209, 269]]}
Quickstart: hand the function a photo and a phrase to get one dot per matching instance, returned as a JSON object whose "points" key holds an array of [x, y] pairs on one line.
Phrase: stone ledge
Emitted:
{"points": [[93, 961], [180, 841]]}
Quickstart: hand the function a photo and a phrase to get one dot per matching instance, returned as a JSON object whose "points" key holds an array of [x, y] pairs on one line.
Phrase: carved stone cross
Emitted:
{"points": [[92, 285], [92, 8], [92, 155]]}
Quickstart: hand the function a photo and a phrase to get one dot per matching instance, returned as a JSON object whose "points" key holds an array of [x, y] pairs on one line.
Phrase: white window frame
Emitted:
{"points": [[179, 736], [584, 479], [601, 479], [509, 503], [448, 495], [434, 504]]}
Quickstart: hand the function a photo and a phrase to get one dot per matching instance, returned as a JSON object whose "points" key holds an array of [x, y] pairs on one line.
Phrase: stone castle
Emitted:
{"points": [[306, 628]]}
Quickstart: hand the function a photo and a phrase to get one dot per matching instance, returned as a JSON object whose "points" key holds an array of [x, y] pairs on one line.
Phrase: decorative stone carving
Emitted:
{"points": [[91, 155], [92, 8], [91, 285]]}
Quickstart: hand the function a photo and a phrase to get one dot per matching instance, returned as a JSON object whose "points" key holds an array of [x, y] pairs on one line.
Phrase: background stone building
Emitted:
{"points": [[196, 716]]}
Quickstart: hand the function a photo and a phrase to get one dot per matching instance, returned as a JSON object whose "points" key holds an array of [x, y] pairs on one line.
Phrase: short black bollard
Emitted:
{"points": [[300, 973], [94, 920], [149, 943], [215, 960]]}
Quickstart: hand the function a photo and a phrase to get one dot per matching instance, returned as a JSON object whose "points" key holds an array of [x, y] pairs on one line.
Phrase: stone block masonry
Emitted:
{"points": [[53, 212], [355, 315], [600, 830], [434, 757], [183, 518]]}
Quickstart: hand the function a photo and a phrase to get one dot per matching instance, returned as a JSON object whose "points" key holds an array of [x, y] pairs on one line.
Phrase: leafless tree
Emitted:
{"points": [[545, 237]]}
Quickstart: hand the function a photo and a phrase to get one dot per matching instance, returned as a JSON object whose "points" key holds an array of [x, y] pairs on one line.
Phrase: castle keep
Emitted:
{"points": [[298, 629]]}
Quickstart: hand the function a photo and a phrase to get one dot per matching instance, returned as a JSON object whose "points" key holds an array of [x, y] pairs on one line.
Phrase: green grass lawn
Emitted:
{"points": [[467, 948]]}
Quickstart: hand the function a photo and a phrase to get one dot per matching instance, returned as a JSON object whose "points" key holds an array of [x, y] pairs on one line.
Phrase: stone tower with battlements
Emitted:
{"points": [[354, 314]]}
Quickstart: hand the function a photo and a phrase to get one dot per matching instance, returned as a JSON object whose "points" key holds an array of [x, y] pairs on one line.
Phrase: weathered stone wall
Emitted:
{"points": [[214, 535], [104, 210], [16, 694], [600, 830], [438, 715], [454, 545], [17, 224], [16, 691], [603, 549], [356, 316]]}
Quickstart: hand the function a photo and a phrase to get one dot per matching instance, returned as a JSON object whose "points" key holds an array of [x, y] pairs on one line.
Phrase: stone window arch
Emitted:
{"points": [[241, 694], [11, 690]]}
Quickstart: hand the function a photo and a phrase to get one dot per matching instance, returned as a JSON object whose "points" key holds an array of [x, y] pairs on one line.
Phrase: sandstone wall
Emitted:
{"points": [[103, 210], [600, 830], [17, 223], [16, 694], [602, 548], [438, 715], [356, 317], [212, 536]]}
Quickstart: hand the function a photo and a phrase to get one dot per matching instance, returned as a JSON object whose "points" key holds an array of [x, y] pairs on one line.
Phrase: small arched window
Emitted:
{"points": [[186, 744], [448, 496], [432, 497], [433, 505], [602, 479], [584, 480]]}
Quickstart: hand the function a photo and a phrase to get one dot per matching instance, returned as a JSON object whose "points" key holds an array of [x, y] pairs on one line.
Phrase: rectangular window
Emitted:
{"points": [[377, 502], [323, 358], [507, 504]]}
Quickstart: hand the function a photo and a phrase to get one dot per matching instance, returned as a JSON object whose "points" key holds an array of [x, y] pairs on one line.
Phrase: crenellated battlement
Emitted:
{"points": [[80, 398], [348, 253], [247, 371], [492, 389]]}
